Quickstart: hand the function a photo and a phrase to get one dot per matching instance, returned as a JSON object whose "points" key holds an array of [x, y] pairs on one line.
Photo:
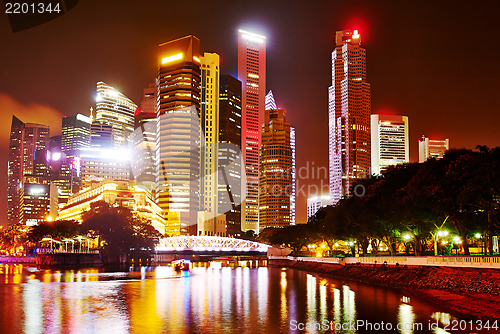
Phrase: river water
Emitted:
{"points": [[217, 297]]}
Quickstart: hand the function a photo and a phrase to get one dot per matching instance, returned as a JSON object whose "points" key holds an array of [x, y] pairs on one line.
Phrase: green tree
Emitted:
{"points": [[121, 230]]}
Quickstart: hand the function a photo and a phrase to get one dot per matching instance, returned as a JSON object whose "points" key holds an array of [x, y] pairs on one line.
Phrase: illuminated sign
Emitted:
{"points": [[355, 35], [172, 58]]}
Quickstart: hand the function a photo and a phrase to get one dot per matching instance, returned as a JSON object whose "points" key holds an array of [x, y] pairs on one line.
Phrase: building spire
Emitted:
{"points": [[270, 103]]}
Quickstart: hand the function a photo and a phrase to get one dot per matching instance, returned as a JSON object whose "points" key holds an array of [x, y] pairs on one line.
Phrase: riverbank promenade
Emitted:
{"points": [[487, 262]]}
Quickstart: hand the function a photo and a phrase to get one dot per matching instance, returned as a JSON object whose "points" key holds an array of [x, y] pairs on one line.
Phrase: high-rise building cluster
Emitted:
{"points": [[361, 144], [199, 155], [204, 153]]}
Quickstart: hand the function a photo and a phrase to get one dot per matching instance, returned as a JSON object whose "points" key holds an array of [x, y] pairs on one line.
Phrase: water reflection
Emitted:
{"points": [[223, 298]]}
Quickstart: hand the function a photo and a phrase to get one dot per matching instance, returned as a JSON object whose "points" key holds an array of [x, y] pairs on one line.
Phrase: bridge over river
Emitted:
{"points": [[210, 245]]}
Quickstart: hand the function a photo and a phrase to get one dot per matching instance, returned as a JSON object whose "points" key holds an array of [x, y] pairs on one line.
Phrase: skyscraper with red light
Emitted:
{"points": [[349, 115], [252, 74]]}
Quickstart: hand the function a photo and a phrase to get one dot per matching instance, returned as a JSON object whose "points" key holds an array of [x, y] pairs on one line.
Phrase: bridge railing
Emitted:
{"points": [[209, 244]]}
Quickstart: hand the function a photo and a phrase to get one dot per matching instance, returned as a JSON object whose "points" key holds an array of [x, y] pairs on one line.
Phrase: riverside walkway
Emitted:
{"points": [[490, 262]]}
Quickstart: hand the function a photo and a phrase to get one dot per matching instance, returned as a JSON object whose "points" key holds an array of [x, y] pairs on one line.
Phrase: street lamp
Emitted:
{"points": [[439, 234]]}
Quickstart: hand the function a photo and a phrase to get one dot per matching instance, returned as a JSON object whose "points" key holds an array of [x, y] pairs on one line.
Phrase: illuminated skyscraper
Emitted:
{"points": [[349, 115], [25, 139], [294, 171], [117, 110], [144, 141], [252, 74], [210, 76], [390, 141], [270, 105], [275, 171], [75, 134], [432, 148], [229, 153], [178, 134]]}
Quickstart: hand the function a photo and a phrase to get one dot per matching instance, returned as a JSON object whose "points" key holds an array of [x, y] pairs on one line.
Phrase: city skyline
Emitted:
{"points": [[402, 97]]}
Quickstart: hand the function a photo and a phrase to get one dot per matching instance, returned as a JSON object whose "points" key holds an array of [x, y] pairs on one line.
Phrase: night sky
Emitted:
{"points": [[437, 62]]}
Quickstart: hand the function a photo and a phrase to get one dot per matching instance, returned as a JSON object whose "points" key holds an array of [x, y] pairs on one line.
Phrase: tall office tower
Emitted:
{"points": [[294, 172], [117, 110], [229, 153], [101, 135], [178, 134], [209, 119], [75, 134], [390, 141], [144, 141], [252, 74], [39, 200], [25, 139], [314, 203], [349, 115], [275, 171], [65, 175], [432, 148], [271, 104]]}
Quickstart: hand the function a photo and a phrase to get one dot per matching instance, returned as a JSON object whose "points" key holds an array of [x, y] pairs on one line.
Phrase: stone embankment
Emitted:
{"points": [[465, 292], [68, 259]]}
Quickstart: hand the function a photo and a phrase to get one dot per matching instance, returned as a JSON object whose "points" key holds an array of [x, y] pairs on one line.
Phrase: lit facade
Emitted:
{"points": [[252, 74], [98, 165], [432, 148], [117, 110], [75, 134], [229, 153], [210, 76], [179, 133], [39, 201], [390, 142], [314, 203], [116, 193], [349, 115], [101, 135], [211, 225], [65, 175], [275, 171], [25, 139], [294, 172], [144, 141]]}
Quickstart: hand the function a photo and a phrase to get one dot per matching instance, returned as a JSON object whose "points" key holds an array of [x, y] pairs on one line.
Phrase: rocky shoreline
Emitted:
{"points": [[468, 293]]}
